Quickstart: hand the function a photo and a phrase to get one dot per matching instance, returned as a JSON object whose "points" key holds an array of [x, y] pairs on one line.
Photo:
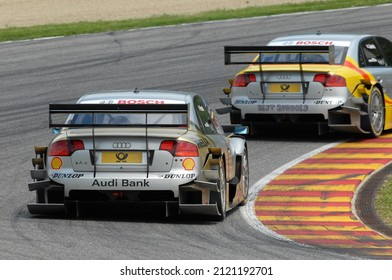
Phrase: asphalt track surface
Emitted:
{"points": [[188, 58]]}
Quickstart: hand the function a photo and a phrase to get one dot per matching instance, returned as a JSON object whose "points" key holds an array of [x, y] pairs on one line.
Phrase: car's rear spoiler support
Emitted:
{"points": [[93, 109], [259, 50]]}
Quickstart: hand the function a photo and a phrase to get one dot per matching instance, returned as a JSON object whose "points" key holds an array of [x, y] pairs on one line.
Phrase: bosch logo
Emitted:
{"points": [[121, 145]]}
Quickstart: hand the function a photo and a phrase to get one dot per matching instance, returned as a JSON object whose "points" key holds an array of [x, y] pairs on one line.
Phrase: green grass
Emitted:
{"points": [[50, 30], [383, 203]]}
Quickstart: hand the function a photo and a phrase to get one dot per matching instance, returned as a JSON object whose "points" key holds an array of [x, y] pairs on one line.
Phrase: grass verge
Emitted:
{"points": [[52, 30], [383, 201]]}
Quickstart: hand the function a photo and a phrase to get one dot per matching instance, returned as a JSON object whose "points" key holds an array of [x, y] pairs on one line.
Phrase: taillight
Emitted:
{"points": [[65, 147], [179, 148], [168, 145], [185, 149], [243, 80], [329, 80]]}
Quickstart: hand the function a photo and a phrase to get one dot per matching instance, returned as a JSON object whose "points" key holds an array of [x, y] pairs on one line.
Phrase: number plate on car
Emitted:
{"points": [[282, 88], [122, 157]]}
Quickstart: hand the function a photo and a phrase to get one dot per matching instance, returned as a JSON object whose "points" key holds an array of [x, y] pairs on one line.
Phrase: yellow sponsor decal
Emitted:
{"points": [[122, 157], [56, 163], [281, 88], [188, 164]]}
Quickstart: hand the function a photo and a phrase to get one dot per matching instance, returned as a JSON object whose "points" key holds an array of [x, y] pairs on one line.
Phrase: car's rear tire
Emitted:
{"points": [[374, 121]]}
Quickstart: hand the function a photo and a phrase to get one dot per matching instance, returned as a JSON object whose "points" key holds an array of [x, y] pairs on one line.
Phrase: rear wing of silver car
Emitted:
{"points": [[96, 116], [303, 54], [108, 115]]}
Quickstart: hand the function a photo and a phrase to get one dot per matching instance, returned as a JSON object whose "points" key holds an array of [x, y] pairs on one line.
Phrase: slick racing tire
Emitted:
{"points": [[375, 119]]}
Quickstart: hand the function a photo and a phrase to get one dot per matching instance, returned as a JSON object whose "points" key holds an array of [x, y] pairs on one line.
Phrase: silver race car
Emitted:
{"points": [[337, 81], [140, 147]]}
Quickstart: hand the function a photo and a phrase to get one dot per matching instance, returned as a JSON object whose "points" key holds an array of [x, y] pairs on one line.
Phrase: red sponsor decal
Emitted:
{"points": [[312, 43], [141, 101]]}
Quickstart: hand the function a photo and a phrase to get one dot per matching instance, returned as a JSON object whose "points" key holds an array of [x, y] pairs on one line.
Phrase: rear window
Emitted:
{"points": [[340, 55], [124, 119]]}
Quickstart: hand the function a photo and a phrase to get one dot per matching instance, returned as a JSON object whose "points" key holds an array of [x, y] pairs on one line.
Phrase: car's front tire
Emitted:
{"points": [[220, 197], [245, 177]]}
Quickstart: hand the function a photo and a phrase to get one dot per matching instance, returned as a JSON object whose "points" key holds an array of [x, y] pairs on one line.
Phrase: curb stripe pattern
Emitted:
{"points": [[311, 202]]}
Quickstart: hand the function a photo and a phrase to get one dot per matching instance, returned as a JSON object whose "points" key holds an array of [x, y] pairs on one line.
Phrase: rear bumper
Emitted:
{"points": [[192, 198], [338, 113], [286, 107], [118, 182]]}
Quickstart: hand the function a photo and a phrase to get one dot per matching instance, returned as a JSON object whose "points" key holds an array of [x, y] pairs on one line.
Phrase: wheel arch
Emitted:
{"points": [[239, 144]]}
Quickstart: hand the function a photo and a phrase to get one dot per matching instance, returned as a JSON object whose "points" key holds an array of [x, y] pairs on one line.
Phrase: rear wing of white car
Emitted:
{"points": [[118, 115], [280, 55], [97, 116]]}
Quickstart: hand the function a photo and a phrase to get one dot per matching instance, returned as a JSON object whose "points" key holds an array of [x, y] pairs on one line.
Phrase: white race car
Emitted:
{"points": [[140, 147]]}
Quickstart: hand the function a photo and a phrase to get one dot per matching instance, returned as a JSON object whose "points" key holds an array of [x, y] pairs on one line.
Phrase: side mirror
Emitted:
{"points": [[56, 130], [236, 129]]}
